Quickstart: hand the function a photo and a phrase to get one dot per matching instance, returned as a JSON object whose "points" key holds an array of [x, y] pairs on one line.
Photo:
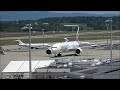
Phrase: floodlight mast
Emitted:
{"points": [[107, 25], [28, 26], [72, 26], [30, 71], [110, 21], [44, 31], [111, 42]]}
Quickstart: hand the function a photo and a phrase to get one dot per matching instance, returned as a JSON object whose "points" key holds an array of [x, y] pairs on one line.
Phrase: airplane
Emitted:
{"points": [[68, 46], [33, 46]]}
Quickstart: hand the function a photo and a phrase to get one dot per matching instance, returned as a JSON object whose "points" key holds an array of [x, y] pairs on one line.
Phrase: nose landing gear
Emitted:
{"points": [[59, 55]]}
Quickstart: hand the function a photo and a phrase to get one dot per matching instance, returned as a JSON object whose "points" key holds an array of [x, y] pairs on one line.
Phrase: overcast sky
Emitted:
{"points": [[90, 12]]}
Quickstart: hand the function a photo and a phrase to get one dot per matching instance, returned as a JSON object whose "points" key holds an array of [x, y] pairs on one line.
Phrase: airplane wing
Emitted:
{"points": [[41, 45], [87, 45], [91, 46]]}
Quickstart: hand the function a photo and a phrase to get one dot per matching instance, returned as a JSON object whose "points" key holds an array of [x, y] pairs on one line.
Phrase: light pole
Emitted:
{"points": [[43, 38], [30, 71], [111, 42], [0, 69], [72, 29], [28, 26], [107, 25], [110, 21], [44, 32]]}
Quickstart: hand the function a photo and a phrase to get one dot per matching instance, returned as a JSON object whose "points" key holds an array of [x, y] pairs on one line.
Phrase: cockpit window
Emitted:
{"points": [[54, 47]]}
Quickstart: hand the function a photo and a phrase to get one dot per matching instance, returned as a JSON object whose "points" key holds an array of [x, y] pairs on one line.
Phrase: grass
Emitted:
{"points": [[47, 40], [59, 38], [116, 34], [11, 34], [19, 34]]}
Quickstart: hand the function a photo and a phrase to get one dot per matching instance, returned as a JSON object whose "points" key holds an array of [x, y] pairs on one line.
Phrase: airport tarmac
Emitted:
{"points": [[40, 54], [13, 53]]}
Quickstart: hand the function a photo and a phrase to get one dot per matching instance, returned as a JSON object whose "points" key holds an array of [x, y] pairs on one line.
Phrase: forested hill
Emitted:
{"points": [[56, 23]]}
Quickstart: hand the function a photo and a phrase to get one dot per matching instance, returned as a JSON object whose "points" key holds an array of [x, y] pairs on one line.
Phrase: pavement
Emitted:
{"points": [[13, 53]]}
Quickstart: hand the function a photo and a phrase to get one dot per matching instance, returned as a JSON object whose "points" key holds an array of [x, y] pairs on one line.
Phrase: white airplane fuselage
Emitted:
{"points": [[75, 46], [64, 47]]}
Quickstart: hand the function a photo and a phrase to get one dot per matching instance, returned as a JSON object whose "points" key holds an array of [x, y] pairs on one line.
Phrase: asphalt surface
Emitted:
{"points": [[13, 53]]}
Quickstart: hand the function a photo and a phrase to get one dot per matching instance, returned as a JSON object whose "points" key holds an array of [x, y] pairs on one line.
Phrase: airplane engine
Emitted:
{"points": [[32, 47], [48, 51], [78, 51]]}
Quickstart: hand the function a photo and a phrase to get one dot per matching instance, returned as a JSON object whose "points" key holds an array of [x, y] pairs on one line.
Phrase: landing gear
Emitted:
{"points": [[20, 47], [59, 55], [36, 48], [76, 54], [32, 48]]}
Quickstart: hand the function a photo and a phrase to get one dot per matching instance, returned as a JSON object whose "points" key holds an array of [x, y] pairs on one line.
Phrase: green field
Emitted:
{"points": [[19, 34], [59, 38]]}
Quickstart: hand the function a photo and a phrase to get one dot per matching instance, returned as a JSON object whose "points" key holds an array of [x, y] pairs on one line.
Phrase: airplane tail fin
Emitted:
{"points": [[77, 35], [19, 42]]}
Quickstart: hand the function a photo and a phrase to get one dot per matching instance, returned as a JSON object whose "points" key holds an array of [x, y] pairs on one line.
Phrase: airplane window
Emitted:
{"points": [[54, 47]]}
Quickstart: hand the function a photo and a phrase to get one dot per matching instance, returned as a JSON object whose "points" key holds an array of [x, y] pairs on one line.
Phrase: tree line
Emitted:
{"points": [[57, 24]]}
